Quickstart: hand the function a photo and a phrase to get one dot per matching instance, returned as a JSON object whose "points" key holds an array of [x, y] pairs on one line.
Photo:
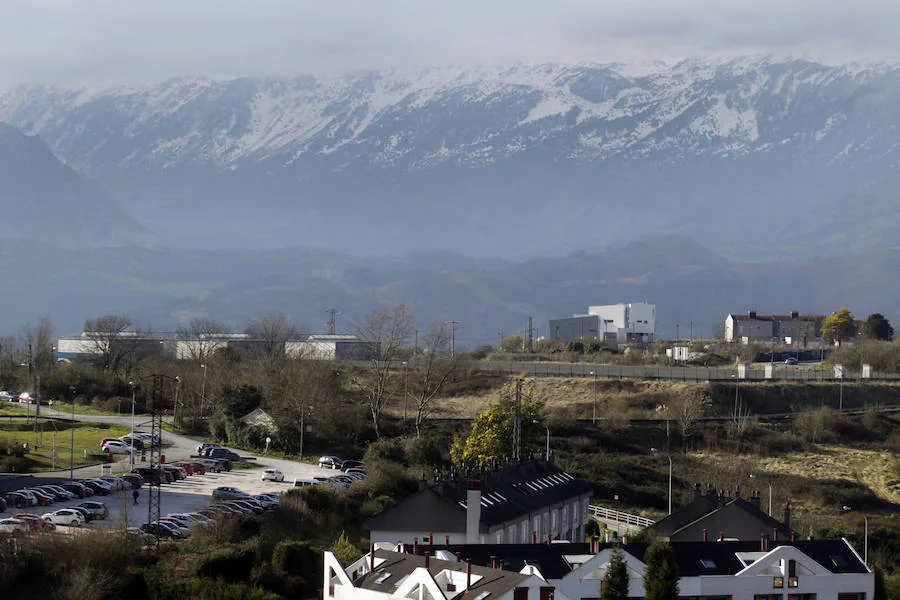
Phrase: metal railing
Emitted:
{"points": [[537, 368], [608, 514]]}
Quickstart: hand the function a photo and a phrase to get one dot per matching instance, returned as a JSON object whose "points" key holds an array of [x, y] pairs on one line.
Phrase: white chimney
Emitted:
{"points": [[473, 513]]}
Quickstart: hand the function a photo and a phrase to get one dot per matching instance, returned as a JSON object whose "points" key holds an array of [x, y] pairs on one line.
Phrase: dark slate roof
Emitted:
{"points": [[736, 519], [733, 517], [834, 555], [399, 565], [519, 489], [506, 494], [425, 510]]}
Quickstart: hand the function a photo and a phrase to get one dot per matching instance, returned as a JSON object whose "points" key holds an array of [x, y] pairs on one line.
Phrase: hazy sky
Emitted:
{"points": [[75, 42]]}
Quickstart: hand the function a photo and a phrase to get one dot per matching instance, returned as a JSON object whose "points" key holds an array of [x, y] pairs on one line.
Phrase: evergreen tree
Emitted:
{"points": [[879, 328], [615, 582], [661, 575]]}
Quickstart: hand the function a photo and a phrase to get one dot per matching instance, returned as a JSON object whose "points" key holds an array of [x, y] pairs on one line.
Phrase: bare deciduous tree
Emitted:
{"points": [[201, 337], [688, 407], [438, 367], [273, 331], [386, 330], [111, 340]]}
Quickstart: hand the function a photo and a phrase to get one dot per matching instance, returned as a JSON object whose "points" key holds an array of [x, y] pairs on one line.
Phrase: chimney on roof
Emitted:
{"points": [[764, 543], [751, 314], [706, 535], [415, 545], [534, 537], [493, 562], [787, 515], [468, 573], [473, 512], [794, 314], [427, 560], [774, 534], [755, 499], [446, 540], [793, 537], [371, 556], [721, 536]]}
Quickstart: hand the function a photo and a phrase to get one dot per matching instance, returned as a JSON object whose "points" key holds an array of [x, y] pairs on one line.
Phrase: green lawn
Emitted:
{"points": [[42, 442], [66, 407]]}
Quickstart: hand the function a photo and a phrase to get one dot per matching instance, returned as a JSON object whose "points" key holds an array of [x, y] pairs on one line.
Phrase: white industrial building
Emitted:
{"points": [[621, 323]]}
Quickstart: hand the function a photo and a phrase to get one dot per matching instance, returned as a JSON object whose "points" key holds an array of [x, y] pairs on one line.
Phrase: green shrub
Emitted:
{"points": [[385, 450], [297, 558], [205, 589], [345, 551], [319, 498], [232, 565]]}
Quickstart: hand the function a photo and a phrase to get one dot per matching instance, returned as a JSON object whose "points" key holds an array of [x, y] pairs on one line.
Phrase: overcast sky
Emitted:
{"points": [[85, 42]]}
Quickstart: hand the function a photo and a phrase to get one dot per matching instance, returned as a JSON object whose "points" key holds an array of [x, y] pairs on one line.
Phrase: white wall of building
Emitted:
{"points": [[637, 318]]}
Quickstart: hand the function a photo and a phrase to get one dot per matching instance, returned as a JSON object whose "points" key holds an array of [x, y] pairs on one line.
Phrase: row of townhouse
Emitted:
{"points": [[518, 502], [786, 570]]}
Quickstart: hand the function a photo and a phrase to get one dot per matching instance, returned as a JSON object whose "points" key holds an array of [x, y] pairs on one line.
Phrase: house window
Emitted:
{"points": [[331, 590], [520, 593], [525, 531], [778, 582], [547, 592]]}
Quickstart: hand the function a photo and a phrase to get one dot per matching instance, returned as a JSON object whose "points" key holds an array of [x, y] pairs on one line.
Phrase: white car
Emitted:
{"points": [[12, 526], [116, 447], [4, 395], [65, 516], [272, 475]]}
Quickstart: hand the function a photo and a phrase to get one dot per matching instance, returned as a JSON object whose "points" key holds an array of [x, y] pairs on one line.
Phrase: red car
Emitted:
{"points": [[43, 498], [184, 465], [198, 468], [35, 523]]}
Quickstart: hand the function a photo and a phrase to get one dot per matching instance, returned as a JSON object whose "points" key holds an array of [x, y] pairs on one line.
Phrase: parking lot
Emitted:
{"points": [[183, 496]]}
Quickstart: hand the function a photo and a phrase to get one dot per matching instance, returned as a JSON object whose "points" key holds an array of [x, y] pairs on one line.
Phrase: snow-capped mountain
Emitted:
{"points": [[744, 153]]}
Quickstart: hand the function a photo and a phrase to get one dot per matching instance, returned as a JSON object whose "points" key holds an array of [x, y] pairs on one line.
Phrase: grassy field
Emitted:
{"points": [[41, 444]]}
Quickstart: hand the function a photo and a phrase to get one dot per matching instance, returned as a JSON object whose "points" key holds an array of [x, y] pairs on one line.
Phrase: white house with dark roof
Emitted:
{"points": [[514, 504], [384, 574], [763, 570]]}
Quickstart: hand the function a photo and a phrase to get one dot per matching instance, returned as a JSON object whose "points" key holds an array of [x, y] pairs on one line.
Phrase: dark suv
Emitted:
{"points": [[223, 453], [149, 475]]}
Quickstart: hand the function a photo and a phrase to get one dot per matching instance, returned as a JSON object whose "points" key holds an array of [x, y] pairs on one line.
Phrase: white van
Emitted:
{"points": [[298, 483]]}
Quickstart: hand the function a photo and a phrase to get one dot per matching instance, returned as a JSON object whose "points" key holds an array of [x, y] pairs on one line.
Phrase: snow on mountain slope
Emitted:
{"points": [[419, 118]]}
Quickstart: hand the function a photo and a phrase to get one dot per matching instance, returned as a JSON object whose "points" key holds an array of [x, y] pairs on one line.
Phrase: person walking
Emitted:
{"points": [[136, 495]]}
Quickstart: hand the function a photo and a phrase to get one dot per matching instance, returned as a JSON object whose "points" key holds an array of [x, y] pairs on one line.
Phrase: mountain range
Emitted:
{"points": [[480, 195], [757, 158]]}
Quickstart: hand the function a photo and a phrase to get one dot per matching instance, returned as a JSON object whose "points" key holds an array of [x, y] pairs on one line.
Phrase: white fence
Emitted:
{"points": [[607, 514]]}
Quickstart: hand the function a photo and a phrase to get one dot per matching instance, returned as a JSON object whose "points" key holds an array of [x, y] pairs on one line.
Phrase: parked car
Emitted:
{"points": [[116, 447], [253, 506], [176, 524], [100, 489], [8, 396], [330, 462], [65, 516], [67, 494], [13, 526], [177, 474], [133, 480], [223, 464], [301, 482], [118, 484], [35, 523], [223, 453], [184, 465], [97, 510], [228, 493], [352, 464], [791, 361], [203, 448], [84, 513], [272, 475], [149, 475], [163, 529], [80, 490], [137, 442], [43, 498], [198, 467], [134, 534]]}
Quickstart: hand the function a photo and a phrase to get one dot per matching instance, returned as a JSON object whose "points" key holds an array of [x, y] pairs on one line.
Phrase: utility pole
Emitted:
{"points": [[517, 423], [332, 320], [530, 335], [453, 325]]}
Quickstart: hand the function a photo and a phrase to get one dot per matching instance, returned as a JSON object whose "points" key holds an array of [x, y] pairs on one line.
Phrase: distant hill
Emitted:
{"points": [[690, 285], [43, 200], [761, 159]]}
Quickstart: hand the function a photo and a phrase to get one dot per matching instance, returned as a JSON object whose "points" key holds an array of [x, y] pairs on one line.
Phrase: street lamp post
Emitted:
{"points": [[405, 387], [303, 426], [175, 407], [547, 427], [670, 484], [133, 385], [72, 455], [203, 391]]}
